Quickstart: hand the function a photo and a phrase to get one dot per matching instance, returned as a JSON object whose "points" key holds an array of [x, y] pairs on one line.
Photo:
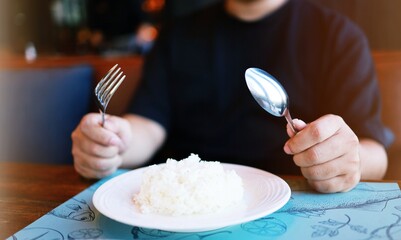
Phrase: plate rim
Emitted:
{"points": [[107, 185]]}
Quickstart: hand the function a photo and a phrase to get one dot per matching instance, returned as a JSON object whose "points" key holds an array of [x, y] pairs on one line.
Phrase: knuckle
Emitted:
{"points": [[94, 164], [306, 173], [354, 141], [93, 148], [309, 173], [309, 158], [312, 155], [74, 135], [337, 118], [99, 165], [74, 151], [353, 178], [107, 139], [350, 182], [314, 172], [294, 146], [290, 145], [298, 160], [85, 121], [316, 132], [319, 172]]}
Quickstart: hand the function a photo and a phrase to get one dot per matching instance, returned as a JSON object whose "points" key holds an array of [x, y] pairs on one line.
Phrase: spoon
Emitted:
{"points": [[269, 94]]}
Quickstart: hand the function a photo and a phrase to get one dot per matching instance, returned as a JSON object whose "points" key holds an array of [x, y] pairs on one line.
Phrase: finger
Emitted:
{"points": [[342, 183], [314, 133], [321, 172], [95, 163], [92, 130], [121, 128], [298, 125], [327, 150], [101, 169], [86, 145], [97, 150], [336, 167], [90, 173]]}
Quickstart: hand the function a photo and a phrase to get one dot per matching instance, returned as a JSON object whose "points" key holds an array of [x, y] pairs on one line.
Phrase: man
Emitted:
{"points": [[193, 98]]}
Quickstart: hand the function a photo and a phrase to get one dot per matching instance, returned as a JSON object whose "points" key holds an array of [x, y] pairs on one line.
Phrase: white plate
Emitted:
{"points": [[264, 193]]}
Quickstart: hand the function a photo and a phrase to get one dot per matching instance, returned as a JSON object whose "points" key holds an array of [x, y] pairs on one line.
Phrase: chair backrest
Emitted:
{"points": [[131, 65], [39, 108]]}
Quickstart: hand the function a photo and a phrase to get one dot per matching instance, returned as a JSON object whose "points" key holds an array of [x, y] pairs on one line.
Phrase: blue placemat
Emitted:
{"points": [[370, 211]]}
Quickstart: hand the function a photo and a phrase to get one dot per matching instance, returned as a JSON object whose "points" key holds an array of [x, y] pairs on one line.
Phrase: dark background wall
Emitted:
{"points": [[22, 21]]}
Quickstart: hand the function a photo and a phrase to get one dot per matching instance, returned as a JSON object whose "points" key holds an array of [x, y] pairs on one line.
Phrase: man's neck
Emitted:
{"points": [[252, 10]]}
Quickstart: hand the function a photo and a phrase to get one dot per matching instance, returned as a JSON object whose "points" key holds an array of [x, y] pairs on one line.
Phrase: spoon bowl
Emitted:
{"points": [[269, 94]]}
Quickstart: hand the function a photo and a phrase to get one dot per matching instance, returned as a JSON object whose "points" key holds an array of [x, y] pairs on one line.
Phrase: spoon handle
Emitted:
{"points": [[287, 116]]}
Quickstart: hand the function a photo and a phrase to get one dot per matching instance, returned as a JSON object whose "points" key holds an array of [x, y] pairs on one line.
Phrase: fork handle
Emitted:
{"points": [[103, 117]]}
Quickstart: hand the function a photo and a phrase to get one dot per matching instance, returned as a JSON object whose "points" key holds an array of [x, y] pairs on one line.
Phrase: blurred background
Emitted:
{"points": [[130, 26], [104, 27]]}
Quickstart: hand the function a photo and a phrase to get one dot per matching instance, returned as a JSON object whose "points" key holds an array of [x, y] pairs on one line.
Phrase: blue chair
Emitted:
{"points": [[39, 108]]}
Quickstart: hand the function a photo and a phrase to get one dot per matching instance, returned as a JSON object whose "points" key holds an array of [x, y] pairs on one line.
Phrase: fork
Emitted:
{"points": [[106, 88]]}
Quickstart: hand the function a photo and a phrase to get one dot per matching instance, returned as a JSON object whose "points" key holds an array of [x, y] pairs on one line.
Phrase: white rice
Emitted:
{"points": [[187, 187]]}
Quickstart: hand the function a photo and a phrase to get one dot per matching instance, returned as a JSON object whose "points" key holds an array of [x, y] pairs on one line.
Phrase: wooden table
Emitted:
{"points": [[28, 191]]}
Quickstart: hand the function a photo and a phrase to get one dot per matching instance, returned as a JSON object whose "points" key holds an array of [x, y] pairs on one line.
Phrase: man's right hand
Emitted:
{"points": [[97, 150]]}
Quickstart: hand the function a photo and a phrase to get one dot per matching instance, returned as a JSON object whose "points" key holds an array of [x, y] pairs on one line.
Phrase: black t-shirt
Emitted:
{"points": [[193, 82]]}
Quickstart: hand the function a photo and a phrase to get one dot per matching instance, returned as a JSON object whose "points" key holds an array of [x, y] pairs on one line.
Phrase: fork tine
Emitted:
{"points": [[111, 84], [111, 93], [106, 87], [100, 84], [108, 82]]}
